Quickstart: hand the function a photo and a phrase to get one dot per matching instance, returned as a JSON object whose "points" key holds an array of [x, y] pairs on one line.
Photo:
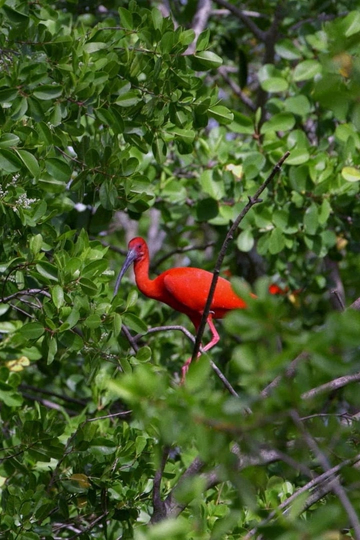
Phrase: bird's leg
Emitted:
{"points": [[214, 340]]}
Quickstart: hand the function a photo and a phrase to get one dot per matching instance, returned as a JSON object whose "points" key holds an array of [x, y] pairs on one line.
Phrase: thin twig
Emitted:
{"points": [[129, 337], [252, 201], [289, 374]]}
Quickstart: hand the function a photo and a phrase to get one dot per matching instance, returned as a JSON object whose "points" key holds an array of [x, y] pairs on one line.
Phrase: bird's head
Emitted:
{"points": [[137, 250]]}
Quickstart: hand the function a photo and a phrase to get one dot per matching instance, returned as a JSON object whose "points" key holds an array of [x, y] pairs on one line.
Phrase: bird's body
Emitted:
{"points": [[184, 289]]}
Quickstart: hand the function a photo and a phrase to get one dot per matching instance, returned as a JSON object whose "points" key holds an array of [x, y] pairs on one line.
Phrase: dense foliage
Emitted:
{"points": [[120, 119]]}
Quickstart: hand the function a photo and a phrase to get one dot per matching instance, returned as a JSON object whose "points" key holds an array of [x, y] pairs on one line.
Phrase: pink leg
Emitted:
{"points": [[214, 340]]}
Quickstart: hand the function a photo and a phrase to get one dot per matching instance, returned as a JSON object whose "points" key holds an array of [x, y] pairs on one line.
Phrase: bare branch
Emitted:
{"points": [[199, 21], [252, 201], [173, 507], [240, 14], [236, 89], [159, 505], [25, 292], [355, 305], [337, 292], [331, 386], [129, 337], [321, 486], [337, 488]]}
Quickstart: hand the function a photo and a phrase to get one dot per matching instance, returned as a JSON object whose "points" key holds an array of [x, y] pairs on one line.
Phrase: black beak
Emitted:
{"points": [[130, 258]]}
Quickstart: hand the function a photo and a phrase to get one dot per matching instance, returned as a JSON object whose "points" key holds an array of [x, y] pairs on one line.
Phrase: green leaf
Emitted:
{"points": [[52, 350], [9, 162], [350, 174], [203, 40], [307, 70], [108, 195], [15, 16], [242, 124], [8, 94], [88, 287], [279, 122], [276, 241], [351, 24], [286, 49], [214, 188], [70, 321], [159, 149], [48, 91], [222, 114], [93, 321], [275, 84], [8, 139], [135, 323], [58, 168], [128, 99], [206, 209], [167, 42], [126, 18], [253, 164], [94, 269], [186, 135], [30, 162], [311, 219], [298, 156], [32, 330], [47, 270], [245, 241], [11, 399], [94, 46], [324, 212], [207, 59], [298, 105], [57, 295], [35, 244], [157, 19]]}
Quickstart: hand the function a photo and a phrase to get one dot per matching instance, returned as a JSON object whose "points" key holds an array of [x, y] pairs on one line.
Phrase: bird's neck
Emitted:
{"points": [[146, 285]]}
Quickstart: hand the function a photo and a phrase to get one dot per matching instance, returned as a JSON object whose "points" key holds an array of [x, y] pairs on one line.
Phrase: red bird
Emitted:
{"points": [[184, 289]]}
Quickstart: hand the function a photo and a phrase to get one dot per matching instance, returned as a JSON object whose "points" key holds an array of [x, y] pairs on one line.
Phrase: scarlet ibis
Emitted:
{"points": [[185, 289]]}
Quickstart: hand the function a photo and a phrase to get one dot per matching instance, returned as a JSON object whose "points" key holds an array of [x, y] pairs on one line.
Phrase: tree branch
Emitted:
{"points": [[321, 486], [25, 292], [159, 505], [182, 329], [236, 89], [331, 386], [199, 21], [337, 488], [252, 201], [240, 14]]}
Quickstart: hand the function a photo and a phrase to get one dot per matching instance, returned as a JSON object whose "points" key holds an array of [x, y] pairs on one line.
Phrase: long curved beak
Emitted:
{"points": [[130, 258]]}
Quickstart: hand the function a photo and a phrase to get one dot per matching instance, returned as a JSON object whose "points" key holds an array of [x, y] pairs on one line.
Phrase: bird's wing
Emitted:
{"points": [[190, 287]]}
